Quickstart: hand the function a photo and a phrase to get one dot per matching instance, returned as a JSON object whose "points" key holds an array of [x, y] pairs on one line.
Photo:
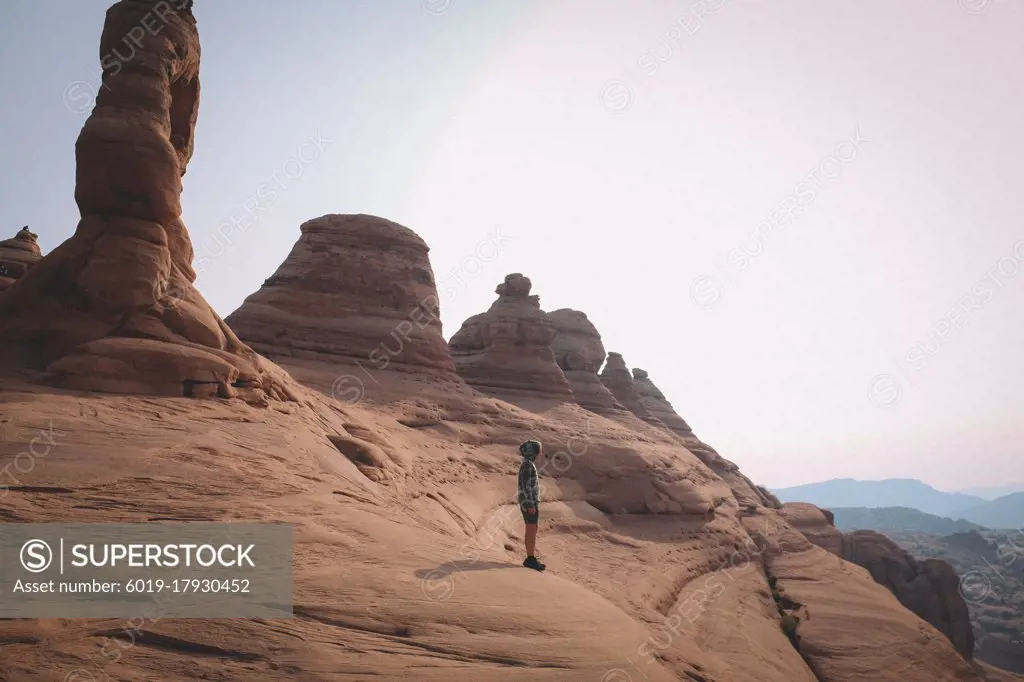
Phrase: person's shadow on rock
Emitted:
{"points": [[460, 566]]}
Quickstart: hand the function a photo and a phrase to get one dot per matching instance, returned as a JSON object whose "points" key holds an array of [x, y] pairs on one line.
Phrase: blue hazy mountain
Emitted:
{"points": [[1003, 512], [891, 492], [898, 519], [991, 492]]}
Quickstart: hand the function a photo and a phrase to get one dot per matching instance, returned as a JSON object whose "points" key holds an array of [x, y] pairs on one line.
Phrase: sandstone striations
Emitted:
{"points": [[657, 405], [815, 525], [743, 489], [616, 377], [353, 288], [579, 352], [508, 348], [17, 255], [113, 308], [929, 588], [844, 623]]}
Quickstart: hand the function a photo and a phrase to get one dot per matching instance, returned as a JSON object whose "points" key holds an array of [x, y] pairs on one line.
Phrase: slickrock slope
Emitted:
{"points": [[579, 352], [17, 255], [850, 627], [743, 489], [992, 583], [616, 377], [815, 525], [929, 588], [657, 405], [353, 288], [113, 308], [508, 348], [408, 545]]}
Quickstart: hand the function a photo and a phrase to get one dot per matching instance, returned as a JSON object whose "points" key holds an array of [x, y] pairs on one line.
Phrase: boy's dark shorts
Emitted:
{"points": [[528, 517]]}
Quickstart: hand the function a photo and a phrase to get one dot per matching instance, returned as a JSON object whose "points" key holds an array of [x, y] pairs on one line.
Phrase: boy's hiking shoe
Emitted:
{"points": [[531, 562]]}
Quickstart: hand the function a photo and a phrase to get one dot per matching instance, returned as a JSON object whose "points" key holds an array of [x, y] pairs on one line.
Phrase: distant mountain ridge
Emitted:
{"points": [[898, 519], [1003, 512], [892, 492], [991, 492], [908, 493]]}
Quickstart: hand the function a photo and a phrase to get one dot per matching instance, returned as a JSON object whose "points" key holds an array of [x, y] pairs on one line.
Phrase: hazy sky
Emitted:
{"points": [[804, 219]]}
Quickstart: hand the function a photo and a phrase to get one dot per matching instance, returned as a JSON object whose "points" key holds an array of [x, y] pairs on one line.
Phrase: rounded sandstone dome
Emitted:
{"points": [[21, 248], [361, 228]]}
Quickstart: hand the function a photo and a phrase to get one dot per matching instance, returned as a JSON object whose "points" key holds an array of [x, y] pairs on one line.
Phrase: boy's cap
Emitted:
{"points": [[530, 448]]}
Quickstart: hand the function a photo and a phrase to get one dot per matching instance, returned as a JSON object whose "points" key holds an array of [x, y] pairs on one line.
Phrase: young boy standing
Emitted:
{"points": [[529, 500]]}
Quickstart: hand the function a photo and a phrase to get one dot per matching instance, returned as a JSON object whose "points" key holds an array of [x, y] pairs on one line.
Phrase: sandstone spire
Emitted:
{"points": [[619, 381], [509, 346], [113, 308], [655, 402]]}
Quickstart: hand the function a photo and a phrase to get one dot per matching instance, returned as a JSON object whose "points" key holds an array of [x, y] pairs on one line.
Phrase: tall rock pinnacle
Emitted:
{"points": [[113, 307], [509, 346], [657, 405]]}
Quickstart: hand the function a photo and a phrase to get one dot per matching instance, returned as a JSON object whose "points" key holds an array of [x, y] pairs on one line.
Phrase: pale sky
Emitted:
{"points": [[625, 152]]}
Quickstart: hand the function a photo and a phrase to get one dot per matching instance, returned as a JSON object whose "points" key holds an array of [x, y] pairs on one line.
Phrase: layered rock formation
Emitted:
{"points": [[815, 525], [616, 377], [657, 405], [353, 288], [743, 489], [770, 499], [113, 308], [508, 348], [17, 255], [579, 353], [929, 588]]}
